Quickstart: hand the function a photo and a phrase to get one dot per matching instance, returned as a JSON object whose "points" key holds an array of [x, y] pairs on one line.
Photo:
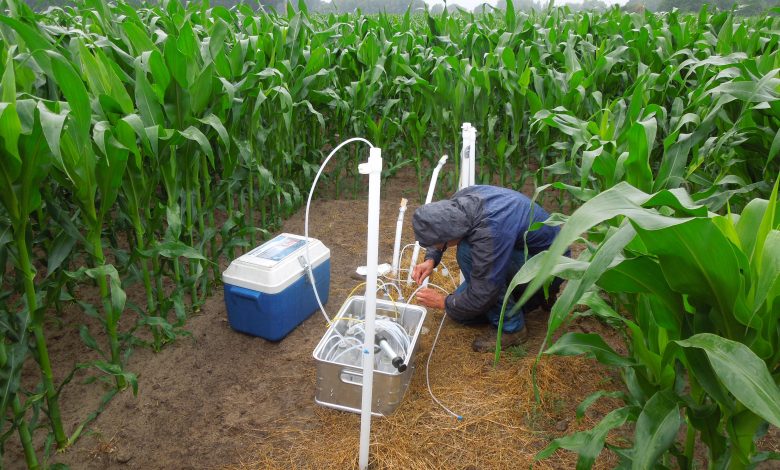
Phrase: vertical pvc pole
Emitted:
{"points": [[374, 171], [428, 199], [468, 161], [399, 225]]}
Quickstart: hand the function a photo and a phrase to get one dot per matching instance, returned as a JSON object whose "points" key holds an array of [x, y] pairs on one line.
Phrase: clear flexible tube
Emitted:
{"points": [[351, 348], [306, 218], [400, 270], [384, 285], [433, 346], [448, 273], [394, 331], [427, 374]]}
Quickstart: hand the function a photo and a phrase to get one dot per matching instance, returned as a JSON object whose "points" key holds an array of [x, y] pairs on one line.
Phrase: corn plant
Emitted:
{"points": [[701, 330]]}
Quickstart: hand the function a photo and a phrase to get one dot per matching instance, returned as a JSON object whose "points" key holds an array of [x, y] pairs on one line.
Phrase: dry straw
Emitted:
{"points": [[503, 425]]}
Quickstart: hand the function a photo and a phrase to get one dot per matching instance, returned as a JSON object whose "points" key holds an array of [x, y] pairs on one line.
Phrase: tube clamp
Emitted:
{"points": [[374, 163]]}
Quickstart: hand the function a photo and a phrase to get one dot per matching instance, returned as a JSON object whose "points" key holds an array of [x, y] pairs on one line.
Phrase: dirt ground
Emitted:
{"points": [[223, 399]]}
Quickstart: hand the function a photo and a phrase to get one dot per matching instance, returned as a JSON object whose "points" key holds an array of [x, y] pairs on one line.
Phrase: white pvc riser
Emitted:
{"points": [[428, 199], [373, 168]]}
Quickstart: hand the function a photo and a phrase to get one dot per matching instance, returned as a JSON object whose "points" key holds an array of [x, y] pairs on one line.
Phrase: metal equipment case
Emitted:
{"points": [[339, 385]]}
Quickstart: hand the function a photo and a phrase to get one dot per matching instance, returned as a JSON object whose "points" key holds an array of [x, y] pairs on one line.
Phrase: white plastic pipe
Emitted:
{"points": [[428, 199], [468, 161], [399, 225], [468, 154], [373, 168]]}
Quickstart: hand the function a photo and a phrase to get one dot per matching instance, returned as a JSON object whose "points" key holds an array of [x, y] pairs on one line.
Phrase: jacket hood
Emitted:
{"points": [[440, 222]]}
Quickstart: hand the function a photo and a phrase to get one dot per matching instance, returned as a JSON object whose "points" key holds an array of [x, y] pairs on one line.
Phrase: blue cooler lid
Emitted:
{"points": [[274, 265]]}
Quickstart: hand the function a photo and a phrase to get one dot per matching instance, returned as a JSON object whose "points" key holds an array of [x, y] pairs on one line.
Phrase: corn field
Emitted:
{"points": [[139, 146]]}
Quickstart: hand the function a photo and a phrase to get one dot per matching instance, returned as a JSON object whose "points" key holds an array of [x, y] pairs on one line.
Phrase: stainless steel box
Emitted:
{"points": [[340, 383]]}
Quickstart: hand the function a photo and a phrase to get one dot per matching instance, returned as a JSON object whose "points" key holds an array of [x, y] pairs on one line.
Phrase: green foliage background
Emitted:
{"points": [[140, 144]]}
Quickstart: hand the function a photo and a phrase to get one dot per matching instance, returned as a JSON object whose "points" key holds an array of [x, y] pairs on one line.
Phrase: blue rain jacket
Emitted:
{"points": [[494, 221]]}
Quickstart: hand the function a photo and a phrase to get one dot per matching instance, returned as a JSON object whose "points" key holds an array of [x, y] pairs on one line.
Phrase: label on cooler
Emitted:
{"points": [[277, 249]]}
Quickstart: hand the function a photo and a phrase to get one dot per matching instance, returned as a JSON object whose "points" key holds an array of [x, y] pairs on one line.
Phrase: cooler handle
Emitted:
{"points": [[246, 293]]}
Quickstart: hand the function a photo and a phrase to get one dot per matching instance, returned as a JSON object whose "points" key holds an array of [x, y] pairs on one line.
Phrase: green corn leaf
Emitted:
{"points": [[510, 17], [147, 101], [8, 82], [588, 444], [743, 373], [318, 60], [138, 38], [575, 288], [110, 171], [118, 295], [52, 124], [115, 370], [176, 64], [685, 257], [61, 248], [592, 345], [10, 375], [32, 37], [508, 59], [593, 398], [703, 374], [643, 275], [201, 90], [656, 429], [218, 126], [195, 134], [10, 130], [217, 37], [174, 249], [749, 222], [87, 338], [160, 74], [764, 89], [187, 42], [768, 286], [641, 137], [768, 222], [774, 149], [72, 87]]}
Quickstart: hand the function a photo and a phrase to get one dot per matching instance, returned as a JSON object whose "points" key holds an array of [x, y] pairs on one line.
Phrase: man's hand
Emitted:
{"points": [[431, 298], [422, 271]]}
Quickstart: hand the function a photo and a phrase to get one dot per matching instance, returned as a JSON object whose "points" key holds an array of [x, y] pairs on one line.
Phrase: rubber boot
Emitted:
{"points": [[487, 341]]}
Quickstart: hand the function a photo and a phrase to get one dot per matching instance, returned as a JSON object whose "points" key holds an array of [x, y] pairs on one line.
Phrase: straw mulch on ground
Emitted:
{"points": [[503, 425]]}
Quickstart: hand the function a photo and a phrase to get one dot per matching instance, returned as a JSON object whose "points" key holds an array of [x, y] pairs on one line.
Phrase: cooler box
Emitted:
{"points": [[267, 291]]}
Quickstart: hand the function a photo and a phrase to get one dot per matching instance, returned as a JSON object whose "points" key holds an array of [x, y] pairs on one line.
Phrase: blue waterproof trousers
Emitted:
{"points": [[515, 322]]}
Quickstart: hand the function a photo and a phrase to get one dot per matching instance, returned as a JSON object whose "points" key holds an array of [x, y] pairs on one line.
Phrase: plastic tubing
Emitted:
{"points": [[398, 229], [427, 374], [391, 330], [306, 218], [306, 223], [433, 347], [351, 348], [397, 277], [428, 199], [327, 355], [449, 274], [383, 286]]}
